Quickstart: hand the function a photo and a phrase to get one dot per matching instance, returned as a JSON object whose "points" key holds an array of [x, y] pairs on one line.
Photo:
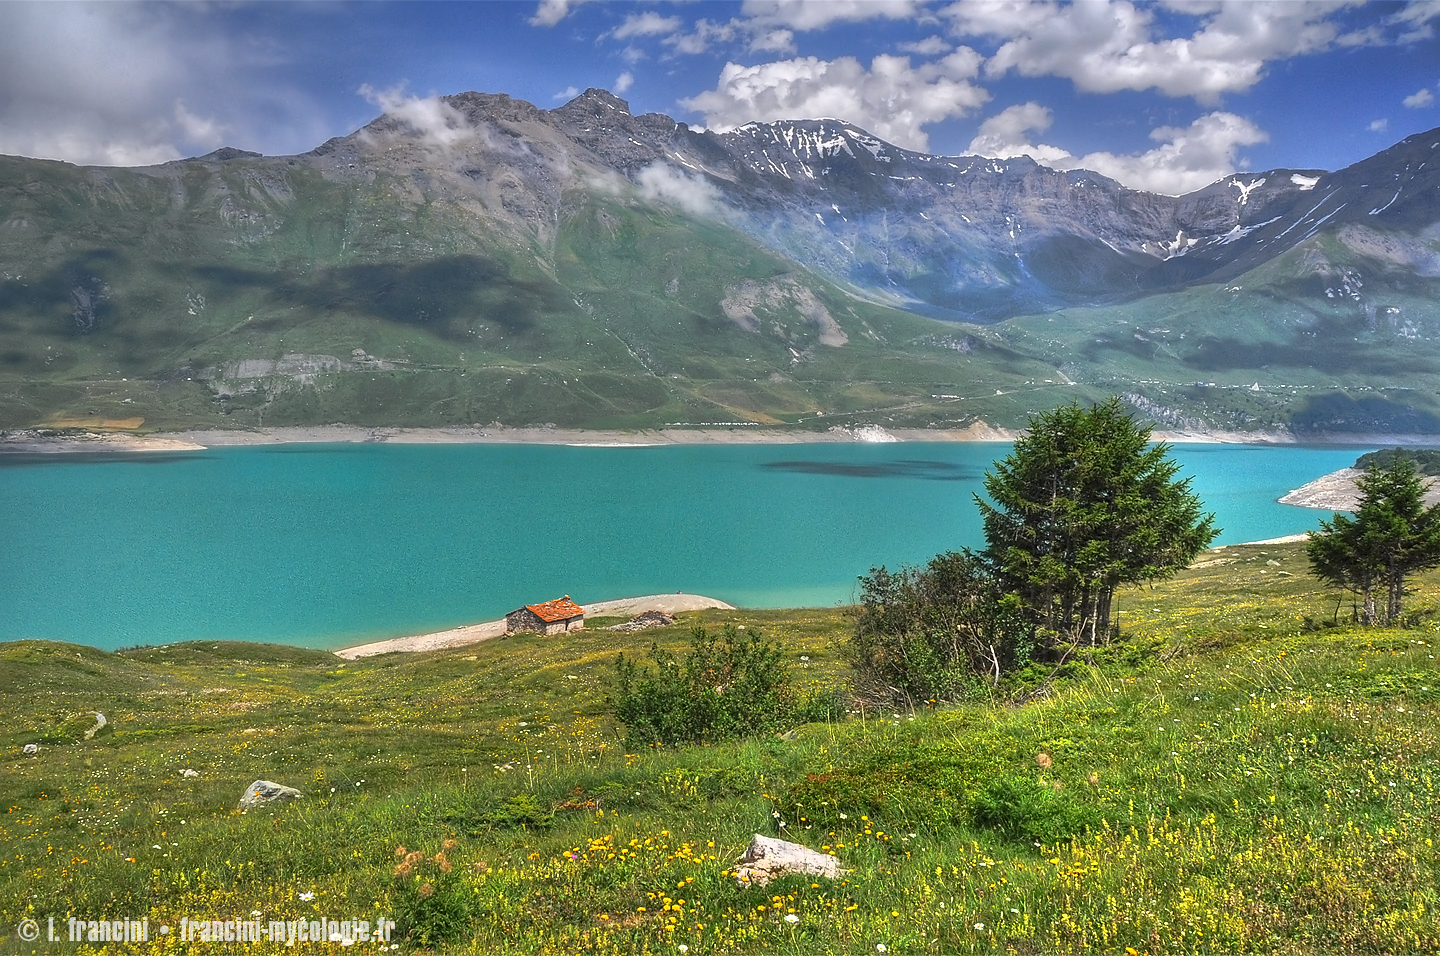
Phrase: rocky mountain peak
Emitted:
{"points": [[594, 104], [493, 106], [225, 153]]}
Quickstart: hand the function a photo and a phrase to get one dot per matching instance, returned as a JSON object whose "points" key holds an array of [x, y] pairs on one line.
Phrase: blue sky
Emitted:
{"points": [[1165, 96]]}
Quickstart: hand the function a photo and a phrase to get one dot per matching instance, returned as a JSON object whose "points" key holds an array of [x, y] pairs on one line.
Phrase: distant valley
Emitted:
{"points": [[483, 260]]}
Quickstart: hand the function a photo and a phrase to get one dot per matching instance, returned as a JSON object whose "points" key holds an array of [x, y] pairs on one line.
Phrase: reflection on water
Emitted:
{"points": [[29, 459]]}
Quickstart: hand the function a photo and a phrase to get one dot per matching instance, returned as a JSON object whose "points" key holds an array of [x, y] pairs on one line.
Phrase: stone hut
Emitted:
{"points": [[552, 617]]}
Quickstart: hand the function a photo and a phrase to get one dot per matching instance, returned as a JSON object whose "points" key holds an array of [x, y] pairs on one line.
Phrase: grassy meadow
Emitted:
{"points": [[1246, 772]]}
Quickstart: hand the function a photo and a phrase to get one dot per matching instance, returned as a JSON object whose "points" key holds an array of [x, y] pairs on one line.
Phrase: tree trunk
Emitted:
{"points": [[1102, 612], [1367, 612]]}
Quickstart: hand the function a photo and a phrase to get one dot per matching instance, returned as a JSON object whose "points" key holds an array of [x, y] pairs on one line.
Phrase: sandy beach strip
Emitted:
{"points": [[1283, 539], [475, 633]]}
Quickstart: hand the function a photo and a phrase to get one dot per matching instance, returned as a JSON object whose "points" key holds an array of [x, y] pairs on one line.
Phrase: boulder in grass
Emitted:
{"points": [[263, 792], [768, 858], [644, 620], [32, 749]]}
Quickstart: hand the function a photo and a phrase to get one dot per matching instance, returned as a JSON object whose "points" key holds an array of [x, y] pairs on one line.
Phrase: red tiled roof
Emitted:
{"points": [[560, 609]]}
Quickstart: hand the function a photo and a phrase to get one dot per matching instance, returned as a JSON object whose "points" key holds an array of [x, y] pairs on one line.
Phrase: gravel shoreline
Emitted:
{"points": [[46, 440], [475, 633], [1337, 492], [53, 440]]}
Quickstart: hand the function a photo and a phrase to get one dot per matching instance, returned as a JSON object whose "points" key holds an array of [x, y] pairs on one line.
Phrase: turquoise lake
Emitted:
{"points": [[330, 545]]}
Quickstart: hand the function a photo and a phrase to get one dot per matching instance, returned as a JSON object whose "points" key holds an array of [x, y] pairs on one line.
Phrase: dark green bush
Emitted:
{"points": [[944, 632], [1028, 811], [736, 687], [521, 811]]}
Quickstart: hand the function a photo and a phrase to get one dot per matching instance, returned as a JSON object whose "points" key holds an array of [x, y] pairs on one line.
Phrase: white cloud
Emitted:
{"points": [[818, 14], [1004, 136], [1187, 158], [891, 99], [704, 33], [129, 84], [1104, 46], [770, 25], [551, 12], [774, 41], [646, 24], [930, 46], [1379, 126], [205, 131], [435, 121], [632, 54], [101, 83], [661, 183], [1419, 99], [1415, 19], [567, 94], [624, 81]]}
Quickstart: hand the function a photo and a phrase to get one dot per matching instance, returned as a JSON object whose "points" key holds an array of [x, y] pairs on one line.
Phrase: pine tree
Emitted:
{"points": [[1083, 505], [1392, 536]]}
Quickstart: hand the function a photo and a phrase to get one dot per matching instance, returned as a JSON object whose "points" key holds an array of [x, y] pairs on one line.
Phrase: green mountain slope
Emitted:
{"points": [[525, 267], [232, 292], [1341, 334]]}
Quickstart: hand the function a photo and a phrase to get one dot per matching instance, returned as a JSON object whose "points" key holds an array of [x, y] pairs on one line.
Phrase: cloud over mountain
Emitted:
{"points": [[892, 98], [1186, 158]]}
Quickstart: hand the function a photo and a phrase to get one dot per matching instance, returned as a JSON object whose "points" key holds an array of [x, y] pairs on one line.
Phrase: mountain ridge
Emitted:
{"points": [[474, 258]]}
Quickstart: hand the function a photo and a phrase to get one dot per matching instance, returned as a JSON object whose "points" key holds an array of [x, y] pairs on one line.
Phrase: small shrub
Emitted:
{"points": [[944, 632], [737, 687], [73, 730], [521, 811], [1028, 811]]}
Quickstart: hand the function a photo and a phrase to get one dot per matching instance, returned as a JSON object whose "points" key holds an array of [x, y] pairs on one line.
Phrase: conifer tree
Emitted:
{"points": [[1083, 505], [1392, 536]]}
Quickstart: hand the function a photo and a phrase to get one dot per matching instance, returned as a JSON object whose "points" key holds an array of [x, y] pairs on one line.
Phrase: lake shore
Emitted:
{"points": [[53, 440], [475, 633], [1337, 491]]}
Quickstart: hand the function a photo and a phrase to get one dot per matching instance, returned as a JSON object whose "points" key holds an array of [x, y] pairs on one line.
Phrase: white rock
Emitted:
{"points": [[768, 858], [32, 748], [262, 792], [187, 773]]}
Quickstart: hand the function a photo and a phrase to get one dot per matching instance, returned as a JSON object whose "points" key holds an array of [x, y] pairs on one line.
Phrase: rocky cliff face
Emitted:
{"points": [[953, 237]]}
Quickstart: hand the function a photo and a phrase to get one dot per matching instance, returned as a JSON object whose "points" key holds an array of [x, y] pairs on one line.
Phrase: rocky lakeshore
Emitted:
{"points": [[1337, 492], [48, 440], [62, 440]]}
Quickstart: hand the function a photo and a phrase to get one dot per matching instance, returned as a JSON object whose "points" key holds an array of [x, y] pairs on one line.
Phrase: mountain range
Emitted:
{"points": [[474, 259]]}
